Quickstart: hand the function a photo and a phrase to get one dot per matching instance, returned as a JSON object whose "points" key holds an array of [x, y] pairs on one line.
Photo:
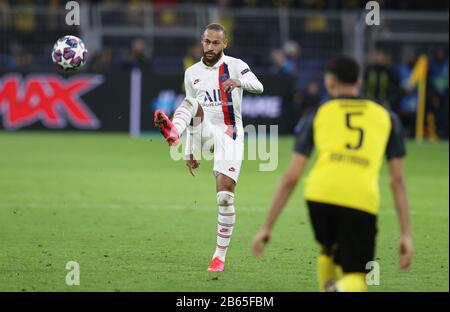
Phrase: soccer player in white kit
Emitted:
{"points": [[214, 88]]}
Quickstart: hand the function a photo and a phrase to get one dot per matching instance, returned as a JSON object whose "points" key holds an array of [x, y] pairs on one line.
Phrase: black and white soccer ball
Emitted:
{"points": [[69, 53]]}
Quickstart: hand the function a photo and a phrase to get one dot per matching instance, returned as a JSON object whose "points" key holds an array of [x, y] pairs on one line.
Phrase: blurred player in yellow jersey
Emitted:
{"points": [[351, 136]]}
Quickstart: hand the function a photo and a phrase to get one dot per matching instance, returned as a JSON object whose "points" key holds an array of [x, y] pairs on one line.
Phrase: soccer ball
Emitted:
{"points": [[69, 53]]}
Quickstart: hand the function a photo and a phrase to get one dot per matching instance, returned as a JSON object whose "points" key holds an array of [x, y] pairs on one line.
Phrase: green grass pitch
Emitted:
{"points": [[137, 221]]}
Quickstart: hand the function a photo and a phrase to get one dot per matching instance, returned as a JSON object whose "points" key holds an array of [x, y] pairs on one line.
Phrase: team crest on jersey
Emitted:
{"points": [[224, 77], [196, 81]]}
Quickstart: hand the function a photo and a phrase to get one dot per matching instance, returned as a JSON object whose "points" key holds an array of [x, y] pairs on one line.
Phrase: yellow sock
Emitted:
{"points": [[326, 270], [352, 282]]}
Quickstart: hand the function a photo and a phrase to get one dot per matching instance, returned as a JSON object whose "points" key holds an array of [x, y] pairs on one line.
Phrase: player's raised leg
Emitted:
{"points": [[172, 130], [226, 221]]}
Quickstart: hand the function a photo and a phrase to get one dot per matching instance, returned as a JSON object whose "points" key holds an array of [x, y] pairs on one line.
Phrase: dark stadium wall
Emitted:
{"points": [[101, 102]]}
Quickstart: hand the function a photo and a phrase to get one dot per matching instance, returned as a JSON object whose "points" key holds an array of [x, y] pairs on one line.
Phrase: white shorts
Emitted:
{"points": [[227, 153]]}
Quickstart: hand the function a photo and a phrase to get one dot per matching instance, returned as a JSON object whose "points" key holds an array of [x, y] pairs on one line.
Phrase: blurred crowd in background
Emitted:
{"points": [[304, 4], [386, 71]]}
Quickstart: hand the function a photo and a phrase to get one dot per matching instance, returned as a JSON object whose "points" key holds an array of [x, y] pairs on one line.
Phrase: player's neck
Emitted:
{"points": [[345, 91]]}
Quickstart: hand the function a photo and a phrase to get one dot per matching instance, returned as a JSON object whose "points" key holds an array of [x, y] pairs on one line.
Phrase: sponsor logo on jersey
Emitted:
{"points": [[213, 96]]}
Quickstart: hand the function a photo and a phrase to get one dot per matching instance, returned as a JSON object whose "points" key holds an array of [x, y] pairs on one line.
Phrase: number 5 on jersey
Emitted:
{"points": [[348, 123]]}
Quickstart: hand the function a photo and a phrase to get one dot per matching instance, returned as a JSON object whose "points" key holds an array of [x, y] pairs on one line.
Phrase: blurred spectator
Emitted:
{"points": [[316, 23], [25, 20], [304, 101], [354, 4], [320, 35], [5, 13], [381, 82], [292, 51], [286, 61], [307, 99], [164, 14], [53, 19], [407, 106], [138, 55], [22, 61], [280, 64], [6, 62], [311, 96], [439, 90], [18, 59], [167, 17], [193, 55], [135, 15], [102, 61]]}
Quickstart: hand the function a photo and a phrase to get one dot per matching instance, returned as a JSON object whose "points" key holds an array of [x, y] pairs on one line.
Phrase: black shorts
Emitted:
{"points": [[346, 234]]}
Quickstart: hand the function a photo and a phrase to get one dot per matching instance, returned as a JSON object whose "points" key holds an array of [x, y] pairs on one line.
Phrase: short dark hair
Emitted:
{"points": [[217, 27], [344, 68]]}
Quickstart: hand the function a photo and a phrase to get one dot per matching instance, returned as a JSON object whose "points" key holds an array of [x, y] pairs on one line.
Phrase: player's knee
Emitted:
{"points": [[225, 199], [189, 101], [191, 104]]}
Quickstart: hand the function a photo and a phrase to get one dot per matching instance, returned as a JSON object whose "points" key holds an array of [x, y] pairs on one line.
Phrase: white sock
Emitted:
{"points": [[226, 220], [184, 114]]}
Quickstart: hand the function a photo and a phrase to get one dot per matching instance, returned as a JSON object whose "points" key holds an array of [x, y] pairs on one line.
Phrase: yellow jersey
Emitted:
{"points": [[351, 136]]}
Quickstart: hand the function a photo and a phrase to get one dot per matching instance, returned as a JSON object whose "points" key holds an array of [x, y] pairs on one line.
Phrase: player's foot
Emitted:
{"points": [[166, 127], [216, 265]]}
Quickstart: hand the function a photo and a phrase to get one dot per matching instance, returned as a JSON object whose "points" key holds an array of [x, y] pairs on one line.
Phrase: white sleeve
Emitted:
{"points": [[249, 82]]}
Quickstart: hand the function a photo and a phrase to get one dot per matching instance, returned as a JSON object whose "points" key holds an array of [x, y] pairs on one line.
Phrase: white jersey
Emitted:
{"points": [[223, 120], [223, 109]]}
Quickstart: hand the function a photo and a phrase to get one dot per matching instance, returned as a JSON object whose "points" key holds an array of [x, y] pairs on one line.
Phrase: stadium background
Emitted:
{"points": [[81, 173]]}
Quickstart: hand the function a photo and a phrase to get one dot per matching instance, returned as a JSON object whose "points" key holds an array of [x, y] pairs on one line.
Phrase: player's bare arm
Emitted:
{"points": [[401, 205], [287, 184]]}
